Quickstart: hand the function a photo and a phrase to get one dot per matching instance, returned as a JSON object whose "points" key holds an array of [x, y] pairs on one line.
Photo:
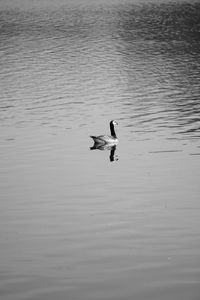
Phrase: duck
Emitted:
{"points": [[107, 139]]}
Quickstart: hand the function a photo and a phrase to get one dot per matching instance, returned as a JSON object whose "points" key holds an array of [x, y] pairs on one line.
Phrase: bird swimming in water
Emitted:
{"points": [[107, 139]]}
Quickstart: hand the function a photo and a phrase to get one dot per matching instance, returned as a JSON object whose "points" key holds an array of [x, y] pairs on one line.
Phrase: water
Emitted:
{"points": [[103, 224]]}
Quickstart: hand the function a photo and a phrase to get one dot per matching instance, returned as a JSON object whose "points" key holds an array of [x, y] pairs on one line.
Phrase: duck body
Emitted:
{"points": [[107, 139], [104, 139]]}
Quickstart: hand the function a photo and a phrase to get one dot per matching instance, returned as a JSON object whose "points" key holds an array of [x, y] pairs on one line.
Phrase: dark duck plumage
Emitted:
{"points": [[107, 139]]}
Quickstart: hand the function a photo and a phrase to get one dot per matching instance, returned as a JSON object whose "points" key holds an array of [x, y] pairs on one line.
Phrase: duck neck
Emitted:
{"points": [[112, 130]]}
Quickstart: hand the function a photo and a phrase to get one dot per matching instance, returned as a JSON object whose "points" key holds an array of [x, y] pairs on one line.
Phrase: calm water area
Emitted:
{"points": [[117, 223]]}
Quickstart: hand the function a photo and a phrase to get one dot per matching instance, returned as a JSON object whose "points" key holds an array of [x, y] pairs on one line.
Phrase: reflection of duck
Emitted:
{"points": [[107, 139], [112, 149]]}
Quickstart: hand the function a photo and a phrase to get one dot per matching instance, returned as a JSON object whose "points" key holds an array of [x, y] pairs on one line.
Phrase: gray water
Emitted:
{"points": [[99, 224]]}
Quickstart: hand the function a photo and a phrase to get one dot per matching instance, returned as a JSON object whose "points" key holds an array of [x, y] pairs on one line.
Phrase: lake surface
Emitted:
{"points": [[99, 224]]}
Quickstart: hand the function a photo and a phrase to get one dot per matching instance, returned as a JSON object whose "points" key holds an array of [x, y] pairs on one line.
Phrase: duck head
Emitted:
{"points": [[113, 122]]}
